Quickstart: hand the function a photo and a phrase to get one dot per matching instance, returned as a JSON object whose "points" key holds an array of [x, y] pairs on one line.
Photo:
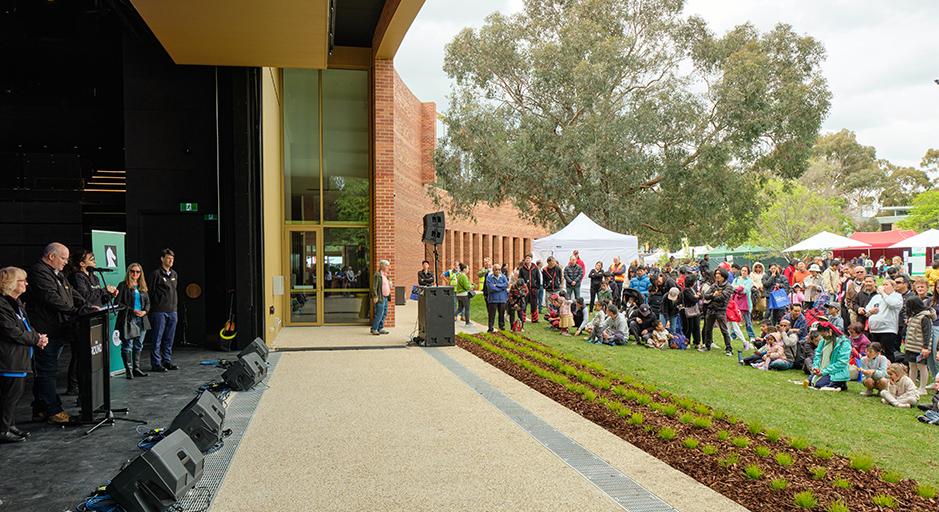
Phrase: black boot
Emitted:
{"points": [[128, 365], [137, 371]]}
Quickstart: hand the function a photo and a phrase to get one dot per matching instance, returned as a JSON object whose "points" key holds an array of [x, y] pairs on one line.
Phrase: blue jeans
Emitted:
{"points": [[573, 292], [749, 321], [164, 332], [381, 311], [132, 344], [676, 325], [780, 364], [45, 397]]}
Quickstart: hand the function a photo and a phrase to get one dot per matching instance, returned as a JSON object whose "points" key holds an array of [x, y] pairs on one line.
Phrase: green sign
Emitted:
{"points": [[188, 207], [210, 216], [108, 247]]}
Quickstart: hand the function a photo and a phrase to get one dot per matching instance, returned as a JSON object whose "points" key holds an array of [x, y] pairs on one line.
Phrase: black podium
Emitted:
{"points": [[94, 375]]}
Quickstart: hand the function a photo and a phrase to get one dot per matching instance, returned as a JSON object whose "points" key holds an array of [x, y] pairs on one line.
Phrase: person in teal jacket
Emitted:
{"points": [[830, 370]]}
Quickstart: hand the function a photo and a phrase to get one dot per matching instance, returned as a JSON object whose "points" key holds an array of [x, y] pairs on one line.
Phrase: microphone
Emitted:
{"points": [[100, 269]]}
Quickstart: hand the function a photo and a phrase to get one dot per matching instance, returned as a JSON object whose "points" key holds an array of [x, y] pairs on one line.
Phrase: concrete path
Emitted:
{"points": [[395, 430]]}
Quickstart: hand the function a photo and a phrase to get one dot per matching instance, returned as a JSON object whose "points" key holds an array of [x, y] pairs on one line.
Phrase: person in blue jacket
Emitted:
{"points": [[498, 296], [641, 283], [830, 367]]}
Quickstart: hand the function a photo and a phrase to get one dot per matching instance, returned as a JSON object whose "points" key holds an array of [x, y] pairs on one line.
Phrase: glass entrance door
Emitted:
{"points": [[305, 287]]}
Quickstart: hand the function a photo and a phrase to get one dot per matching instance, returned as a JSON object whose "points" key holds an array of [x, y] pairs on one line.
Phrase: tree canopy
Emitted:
{"points": [[630, 112], [925, 212], [795, 213]]}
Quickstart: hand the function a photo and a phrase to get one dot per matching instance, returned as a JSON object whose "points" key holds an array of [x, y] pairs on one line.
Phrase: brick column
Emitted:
{"points": [[477, 252], [383, 212], [467, 251], [527, 247], [457, 246], [496, 249]]}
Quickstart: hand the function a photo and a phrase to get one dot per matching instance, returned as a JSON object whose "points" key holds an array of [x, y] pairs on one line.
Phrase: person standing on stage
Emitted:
{"points": [[17, 343], [532, 276], [163, 303], [52, 304], [132, 323], [424, 276], [87, 285]]}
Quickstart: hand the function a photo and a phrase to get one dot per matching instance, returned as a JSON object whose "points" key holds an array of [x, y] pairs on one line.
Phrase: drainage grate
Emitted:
{"points": [[623, 490], [238, 414]]}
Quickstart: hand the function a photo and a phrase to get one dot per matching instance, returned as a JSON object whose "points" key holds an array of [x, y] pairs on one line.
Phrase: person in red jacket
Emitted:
{"points": [[580, 262]]}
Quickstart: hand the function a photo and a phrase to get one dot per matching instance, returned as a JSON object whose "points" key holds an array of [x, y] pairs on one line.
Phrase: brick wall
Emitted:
{"points": [[383, 219], [496, 232]]}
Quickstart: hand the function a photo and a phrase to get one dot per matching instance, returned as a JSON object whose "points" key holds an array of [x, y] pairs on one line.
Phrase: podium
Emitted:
{"points": [[94, 376]]}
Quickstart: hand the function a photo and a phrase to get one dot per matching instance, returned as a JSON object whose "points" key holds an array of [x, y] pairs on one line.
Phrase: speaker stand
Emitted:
{"points": [[110, 418], [436, 266]]}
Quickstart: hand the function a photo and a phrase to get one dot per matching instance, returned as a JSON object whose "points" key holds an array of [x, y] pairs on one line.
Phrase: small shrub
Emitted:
{"points": [[926, 491], [670, 410], [784, 459], [753, 472], [723, 435], [589, 395], [690, 443], [730, 460], [773, 435], [805, 499], [891, 477], [884, 500], [632, 395], [719, 415], [818, 473], [842, 483], [684, 403], [862, 462], [837, 506], [644, 400], [620, 391], [667, 433], [709, 449], [824, 453], [779, 484], [701, 409], [623, 412], [636, 419], [762, 451], [799, 443], [740, 442], [701, 422], [755, 427], [686, 418], [649, 428]]}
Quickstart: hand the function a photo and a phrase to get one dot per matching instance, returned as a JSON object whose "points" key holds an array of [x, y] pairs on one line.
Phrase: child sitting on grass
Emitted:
{"points": [[873, 368], [565, 314], [761, 343], [604, 295], [598, 323], [859, 340], [660, 336], [901, 391], [931, 411], [775, 351]]}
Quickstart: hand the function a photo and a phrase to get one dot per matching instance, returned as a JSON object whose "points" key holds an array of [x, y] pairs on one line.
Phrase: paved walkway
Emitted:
{"points": [[395, 429]]}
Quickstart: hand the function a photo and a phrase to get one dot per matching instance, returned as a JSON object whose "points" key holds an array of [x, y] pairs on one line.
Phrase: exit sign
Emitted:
{"points": [[188, 207]]}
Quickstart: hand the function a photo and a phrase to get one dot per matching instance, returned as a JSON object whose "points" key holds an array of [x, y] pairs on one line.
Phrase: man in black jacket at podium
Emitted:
{"points": [[52, 305]]}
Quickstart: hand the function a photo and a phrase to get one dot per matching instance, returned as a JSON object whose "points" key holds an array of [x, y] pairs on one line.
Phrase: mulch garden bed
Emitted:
{"points": [[638, 413]]}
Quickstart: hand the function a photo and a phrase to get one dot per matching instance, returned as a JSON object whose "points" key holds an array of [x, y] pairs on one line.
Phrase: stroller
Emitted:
{"points": [[818, 309]]}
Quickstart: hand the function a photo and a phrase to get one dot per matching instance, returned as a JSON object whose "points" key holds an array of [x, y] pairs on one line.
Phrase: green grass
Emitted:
{"points": [[805, 499], [926, 491], [842, 483], [667, 433], [884, 500], [690, 443], [818, 473], [891, 477], [784, 459], [753, 472], [709, 449], [762, 451], [779, 484], [716, 381], [862, 462], [837, 506]]}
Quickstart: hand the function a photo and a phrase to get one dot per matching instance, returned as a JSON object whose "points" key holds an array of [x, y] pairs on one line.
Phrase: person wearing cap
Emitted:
{"points": [[642, 324], [718, 296], [830, 366], [813, 286], [834, 315], [671, 310]]}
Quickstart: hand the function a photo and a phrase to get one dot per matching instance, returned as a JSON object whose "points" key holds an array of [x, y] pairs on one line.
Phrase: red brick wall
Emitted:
{"points": [[404, 144]]}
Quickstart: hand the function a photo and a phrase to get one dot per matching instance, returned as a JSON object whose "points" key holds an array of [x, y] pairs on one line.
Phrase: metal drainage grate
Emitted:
{"points": [[625, 491], [238, 413]]}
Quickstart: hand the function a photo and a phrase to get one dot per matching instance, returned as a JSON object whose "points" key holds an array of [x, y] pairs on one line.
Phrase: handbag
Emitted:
{"points": [[693, 311], [415, 292], [778, 299]]}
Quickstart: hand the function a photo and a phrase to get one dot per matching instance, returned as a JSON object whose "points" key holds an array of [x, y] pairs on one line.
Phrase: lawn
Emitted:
{"points": [[845, 422]]}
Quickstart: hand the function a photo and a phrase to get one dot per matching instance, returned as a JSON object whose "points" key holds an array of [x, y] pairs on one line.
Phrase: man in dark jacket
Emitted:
{"points": [[52, 305], [719, 295], [163, 303], [551, 277], [425, 277], [642, 325], [573, 276], [532, 276]]}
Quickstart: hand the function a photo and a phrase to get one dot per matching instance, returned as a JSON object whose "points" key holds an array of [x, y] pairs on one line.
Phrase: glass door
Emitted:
{"points": [[306, 289]]}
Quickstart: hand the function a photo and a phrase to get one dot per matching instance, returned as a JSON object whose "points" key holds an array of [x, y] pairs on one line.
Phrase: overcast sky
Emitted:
{"points": [[882, 59]]}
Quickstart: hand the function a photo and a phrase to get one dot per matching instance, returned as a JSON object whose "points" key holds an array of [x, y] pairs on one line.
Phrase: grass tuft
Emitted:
{"points": [[762, 451], [773, 435], [636, 419], [799, 443], [709, 449], [730, 460], [779, 484], [891, 477], [784, 459], [701, 422], [862, 462], [667, 433], [690, 443], [740, 442], [686, 418], [755, 427], [753, 472], [884, 500], [824, 453], [818, 473], [723, 435], [926, 491], [805, 499], [837, 506], [842, 483]]}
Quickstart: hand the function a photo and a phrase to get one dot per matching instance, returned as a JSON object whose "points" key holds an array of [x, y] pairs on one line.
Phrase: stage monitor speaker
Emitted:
{"points": [[246, 372], [202, 419], [159, 477], [258, 347], [435, 316], [433, 228]]}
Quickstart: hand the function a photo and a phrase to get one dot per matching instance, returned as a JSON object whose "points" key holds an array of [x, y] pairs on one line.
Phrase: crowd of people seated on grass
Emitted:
{"points": [[834, 321]]}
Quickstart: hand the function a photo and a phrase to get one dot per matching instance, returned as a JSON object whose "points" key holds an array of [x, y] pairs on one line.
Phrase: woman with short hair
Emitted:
{"points": [[17, 341], [132, 323]]}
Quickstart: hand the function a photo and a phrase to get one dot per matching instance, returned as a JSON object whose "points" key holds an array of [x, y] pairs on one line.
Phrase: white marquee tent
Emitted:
{"points": [[594, 242], [824, 241]]}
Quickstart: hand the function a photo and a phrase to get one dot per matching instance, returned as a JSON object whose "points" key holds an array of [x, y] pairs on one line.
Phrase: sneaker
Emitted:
{"points": [[60, 418], [170, 366], [866, 392], [924, 407], [10, 437], [22, 433], [158, 369], [373, 332], [382, 332], [728, 353], [702, 349], [903, 406]]}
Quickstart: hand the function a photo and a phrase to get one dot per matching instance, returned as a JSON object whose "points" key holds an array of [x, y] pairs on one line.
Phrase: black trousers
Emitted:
{"points": [[890, 341], [492, 309], [532, 305], [73, 364], [721, 320], [11, 389], [594, 290], [691, 327]]}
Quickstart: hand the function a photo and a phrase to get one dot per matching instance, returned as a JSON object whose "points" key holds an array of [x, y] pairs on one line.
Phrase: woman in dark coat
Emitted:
{"points": [[87, 285], [132, 323], [17, 342]]}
